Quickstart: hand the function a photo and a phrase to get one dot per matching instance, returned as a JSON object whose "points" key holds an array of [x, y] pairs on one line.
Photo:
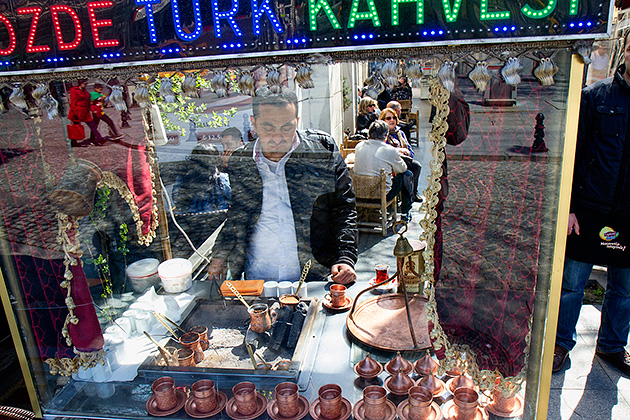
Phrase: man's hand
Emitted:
{"points": [[217, 269], [573, 225], [343, 274]]}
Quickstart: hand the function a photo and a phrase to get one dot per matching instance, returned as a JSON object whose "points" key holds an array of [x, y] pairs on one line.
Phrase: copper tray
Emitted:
{"points": [[381, 322]]}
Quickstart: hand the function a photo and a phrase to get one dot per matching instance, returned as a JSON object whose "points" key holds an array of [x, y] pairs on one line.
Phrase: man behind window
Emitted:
{"points": [[292, 200]]}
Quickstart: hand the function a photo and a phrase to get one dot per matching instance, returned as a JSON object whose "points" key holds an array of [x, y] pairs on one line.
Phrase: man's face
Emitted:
{"points": [[230, 143], [276, 128]]}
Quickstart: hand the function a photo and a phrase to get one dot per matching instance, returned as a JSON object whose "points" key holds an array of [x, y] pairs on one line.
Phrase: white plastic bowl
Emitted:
{"points": [[143, 274], [176, 275]]}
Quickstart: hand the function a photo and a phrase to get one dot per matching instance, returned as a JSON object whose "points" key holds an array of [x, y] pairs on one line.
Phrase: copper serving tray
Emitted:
{"points": [[381, 322]]}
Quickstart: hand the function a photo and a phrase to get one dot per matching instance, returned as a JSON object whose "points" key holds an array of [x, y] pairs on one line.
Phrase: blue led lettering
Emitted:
{"points": [[229, 15], [178, 24], [148, 9], [257, 13]]}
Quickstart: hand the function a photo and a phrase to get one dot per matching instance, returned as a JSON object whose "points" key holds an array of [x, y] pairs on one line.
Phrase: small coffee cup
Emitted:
{"points": [[420, 399], [245, 398], [466, 401], [337, 295], [287, 398], [205, 395], [330, 402], [375, 402], [164, 392], [284, 288], [270, 289]]}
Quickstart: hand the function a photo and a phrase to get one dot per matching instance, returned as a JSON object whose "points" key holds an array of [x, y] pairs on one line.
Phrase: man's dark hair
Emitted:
{"points": [[233, 132], [378, 130], [279, 100], [98, 86]]}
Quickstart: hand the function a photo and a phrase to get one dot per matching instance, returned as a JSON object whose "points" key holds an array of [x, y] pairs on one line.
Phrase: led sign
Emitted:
{"points": [[75, 33]]}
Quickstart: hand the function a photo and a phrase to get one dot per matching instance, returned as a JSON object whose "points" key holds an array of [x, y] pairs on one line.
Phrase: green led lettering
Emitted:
{"points": [[486, 15], [419, 11], [371, 14], [539, 14], [573, 7], [451, 13], [313, 9]]}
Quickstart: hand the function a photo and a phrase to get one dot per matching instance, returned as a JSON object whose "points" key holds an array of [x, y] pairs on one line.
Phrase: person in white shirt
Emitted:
{"points": [[292, 201], [374, 154]]}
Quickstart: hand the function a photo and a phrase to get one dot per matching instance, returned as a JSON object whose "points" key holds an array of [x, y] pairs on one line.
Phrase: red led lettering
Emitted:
{"points": [[35, 11], [54, 12], [12, 40], [95, 24]]}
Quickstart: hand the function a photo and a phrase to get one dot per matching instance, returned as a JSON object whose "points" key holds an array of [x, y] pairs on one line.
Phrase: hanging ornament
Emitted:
{"points": [[219, 84], [143, 95], [246, 83], [303, 77], [116, 98], [389, 71], [446, 74], [189, 86], [374, 86], [49, 104], [166, 90], [414, 72], [584, 49], [545, 71], [273, 81], [17, 97], [480, 75], [510, 71], [39, 91]]}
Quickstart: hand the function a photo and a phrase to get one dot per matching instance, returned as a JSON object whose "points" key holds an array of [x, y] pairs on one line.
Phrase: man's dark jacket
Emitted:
{"points": [[601, 179], [322, 201]]}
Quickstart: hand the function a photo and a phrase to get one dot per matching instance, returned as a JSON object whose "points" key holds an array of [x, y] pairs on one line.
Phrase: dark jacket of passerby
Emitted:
{"points": [[601, 179], [322, 201], [80, 105]]}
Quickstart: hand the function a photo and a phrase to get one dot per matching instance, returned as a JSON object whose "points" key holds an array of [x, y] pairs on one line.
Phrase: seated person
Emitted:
{"points": [[397, 138], [193, 192], [292, 201], [404, 125], [375, 154], [402, 91], [367, 113]]}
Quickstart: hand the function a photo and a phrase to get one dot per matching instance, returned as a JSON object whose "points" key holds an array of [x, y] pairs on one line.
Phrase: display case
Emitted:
{"points": [[131, 156]]}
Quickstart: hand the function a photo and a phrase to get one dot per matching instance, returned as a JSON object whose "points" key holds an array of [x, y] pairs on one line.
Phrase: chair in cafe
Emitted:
{"points": [[371, 195], [405, 108], [413, 137]]}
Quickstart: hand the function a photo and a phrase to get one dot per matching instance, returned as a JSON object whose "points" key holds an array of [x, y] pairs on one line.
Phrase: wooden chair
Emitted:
{"points": [[351, 144], [413, 116], [371, 193], [405, 105]]}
